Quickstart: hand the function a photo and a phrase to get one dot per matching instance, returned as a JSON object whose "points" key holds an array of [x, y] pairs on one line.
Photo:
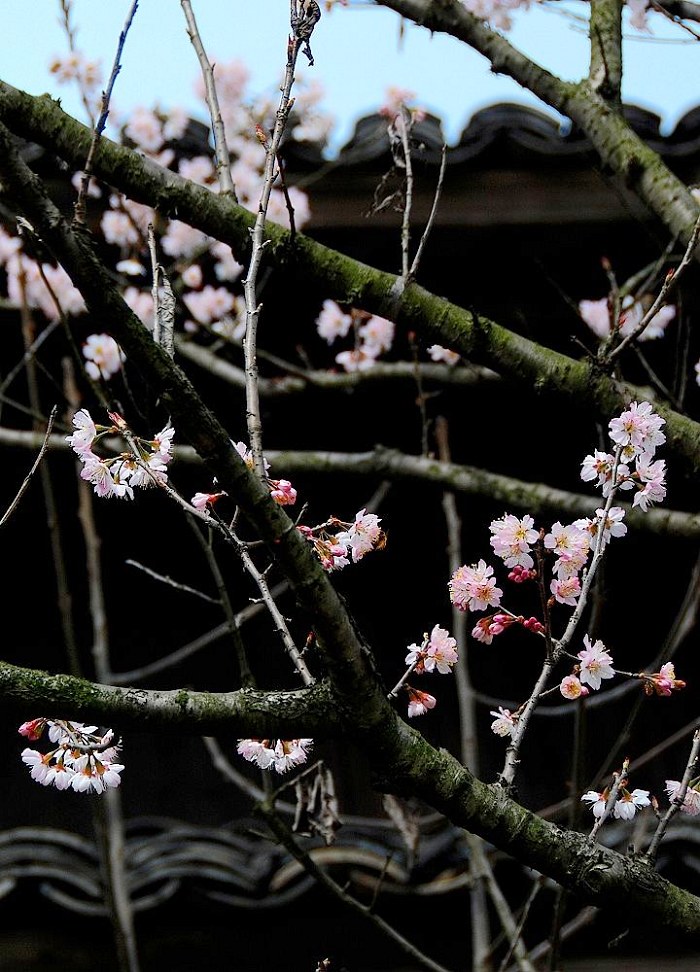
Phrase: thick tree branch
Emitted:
{"points": [[244, 713], [395, 466]]}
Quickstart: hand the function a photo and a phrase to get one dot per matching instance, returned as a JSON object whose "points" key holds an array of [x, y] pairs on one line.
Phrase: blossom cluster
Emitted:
{"points": [[373, 335], [120, 475], [625, 806], [436, 653], [82, 759], [280, 755], [636, 434], [351, 544]]}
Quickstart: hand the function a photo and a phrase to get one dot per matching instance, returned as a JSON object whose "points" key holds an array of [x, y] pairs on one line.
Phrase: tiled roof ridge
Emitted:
{"points": [[523, 129]]}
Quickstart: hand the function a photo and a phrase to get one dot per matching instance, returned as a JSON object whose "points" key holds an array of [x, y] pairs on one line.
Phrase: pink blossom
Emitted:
{"points": [[145, 129], [571, 687], [83, 759], [394, 98], [505, 722], [200, 169], [633, 313], [103, 355], [444, 355], [202, 500], [85, 432], [599, 466], [33, 729], [117, 228], [290, 753], [519, 575], [567, 590], [595, 663], [363, 535], [625, 807], [182, 240], [662, 682], [192, 276], [377, 335], [512, 539], [691, 800], [440, 652], [256, 751], [226, 268], [596, 314], [419, 702], [628, 803], [638, 426], [141, 304], [474, 588], [283, 492], [359, 359]]}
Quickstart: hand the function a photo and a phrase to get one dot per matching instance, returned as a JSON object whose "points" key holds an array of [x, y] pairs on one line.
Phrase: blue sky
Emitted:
{"points": [[358, 51]]}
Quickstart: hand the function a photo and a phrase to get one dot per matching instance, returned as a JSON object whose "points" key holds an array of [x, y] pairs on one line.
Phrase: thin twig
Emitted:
{"points": [[99, 127], [165, 579], [28, 478], [223, 160], [431, 218], [271, 144]]}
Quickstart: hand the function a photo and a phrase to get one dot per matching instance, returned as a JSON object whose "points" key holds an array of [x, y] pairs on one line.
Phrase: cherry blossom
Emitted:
{"points": [[638, 426], [119, 475], [663, 682], [83, 759], [444, 355], [496, 12], [282, 492], [512, 540], [278, 754], [419, 702], [595, 663], [103, 356], [570, 545], [566, 590], [625, 807], [504, 723], [359, 359], [487, 628], [571, 688], [362, 535], [691, 800], [440, 652], [519, 575], [202, 500], [85, 432], [377, 335], [474, 588], [596, 314]]}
